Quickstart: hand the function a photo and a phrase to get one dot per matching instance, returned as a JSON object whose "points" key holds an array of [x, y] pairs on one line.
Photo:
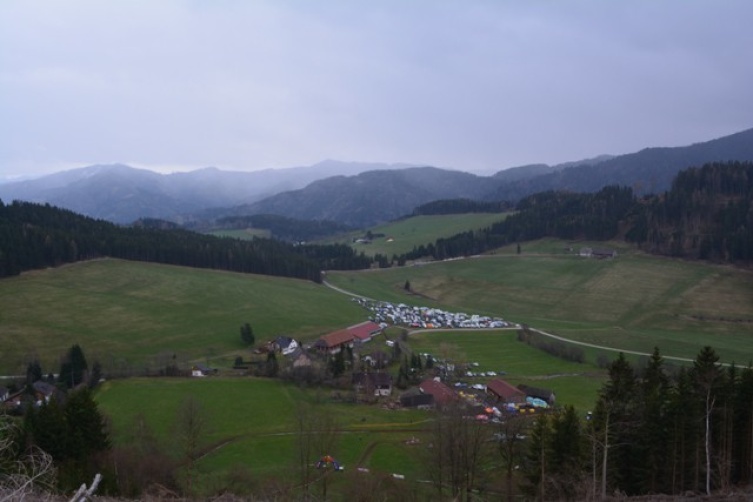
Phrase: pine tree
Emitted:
{"points": [[87, 429], [568, 449], [247, 334], [536, 463], [615, 422], [653, 432], [73, 368]]}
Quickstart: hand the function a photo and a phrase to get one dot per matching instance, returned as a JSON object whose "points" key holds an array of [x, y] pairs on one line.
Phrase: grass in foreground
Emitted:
{"points": [[254, 421]]}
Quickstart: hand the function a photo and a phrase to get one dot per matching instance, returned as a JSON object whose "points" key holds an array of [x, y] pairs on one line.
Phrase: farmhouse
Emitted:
{"points": [[284, 344], [337, 340], [365, 331], [504, 392], [199, 370], [334, 342], [43, 391]]}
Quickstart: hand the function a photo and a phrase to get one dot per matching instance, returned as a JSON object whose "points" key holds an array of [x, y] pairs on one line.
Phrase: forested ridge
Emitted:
{"points": [[34, 236], [707, 214], [653, 431]]}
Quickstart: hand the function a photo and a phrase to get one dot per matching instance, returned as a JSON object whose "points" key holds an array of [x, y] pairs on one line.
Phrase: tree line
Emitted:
{"points": [[34, 236], [707, 214], [652, 432], [460, 206]]}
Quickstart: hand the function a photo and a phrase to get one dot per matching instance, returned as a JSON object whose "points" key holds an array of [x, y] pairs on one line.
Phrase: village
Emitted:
{"points": [[362, 363]]}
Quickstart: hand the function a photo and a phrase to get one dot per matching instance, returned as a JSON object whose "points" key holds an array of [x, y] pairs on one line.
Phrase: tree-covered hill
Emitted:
{"points": [[649, 171], [35, 236], [707, 214], [372, 197]]}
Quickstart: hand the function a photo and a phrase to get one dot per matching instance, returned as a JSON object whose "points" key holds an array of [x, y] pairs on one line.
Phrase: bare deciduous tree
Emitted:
{"points": [[459, 448], [23, 477], [317, 435]]}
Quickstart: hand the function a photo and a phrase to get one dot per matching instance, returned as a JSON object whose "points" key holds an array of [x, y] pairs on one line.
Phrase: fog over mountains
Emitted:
{"points": [[356, 194]]}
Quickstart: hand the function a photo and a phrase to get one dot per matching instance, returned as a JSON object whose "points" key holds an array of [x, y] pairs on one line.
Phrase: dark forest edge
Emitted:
{"points": [[706, 215], [34, 236]]}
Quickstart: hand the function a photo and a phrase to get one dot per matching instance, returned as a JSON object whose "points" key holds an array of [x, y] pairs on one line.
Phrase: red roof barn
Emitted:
{"points": [[505, 392], [442, 393]]}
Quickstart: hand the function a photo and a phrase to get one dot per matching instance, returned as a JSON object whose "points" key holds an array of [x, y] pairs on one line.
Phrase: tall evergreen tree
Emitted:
{"points": [[73, 368], [653, 430], [87, 428], [247, 334], [615, 423], [567, 454], [535, 467]]}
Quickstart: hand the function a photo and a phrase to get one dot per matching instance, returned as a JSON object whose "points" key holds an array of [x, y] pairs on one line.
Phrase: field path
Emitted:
{"points": [[344, 291]]}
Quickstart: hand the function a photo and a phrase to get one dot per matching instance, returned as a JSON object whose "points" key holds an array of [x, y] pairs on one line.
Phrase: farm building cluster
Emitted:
{"points": [[427, 317], [431, 383], [489, 402]]}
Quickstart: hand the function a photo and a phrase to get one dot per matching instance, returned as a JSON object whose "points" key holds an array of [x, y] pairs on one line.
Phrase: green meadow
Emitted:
{"points": [[134, 314], [401, 236]]}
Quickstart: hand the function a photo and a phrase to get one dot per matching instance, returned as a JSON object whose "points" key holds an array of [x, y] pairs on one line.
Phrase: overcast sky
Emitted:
{"points": [[472, 85]]}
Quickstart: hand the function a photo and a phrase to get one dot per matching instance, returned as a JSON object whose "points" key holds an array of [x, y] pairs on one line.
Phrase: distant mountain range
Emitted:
{"points": [[355, 194], [123, 194]]}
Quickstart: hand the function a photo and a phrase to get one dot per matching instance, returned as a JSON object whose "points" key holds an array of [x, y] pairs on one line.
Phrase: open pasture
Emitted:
{"points": [[416, 230], [128, 313], [633, 302]]}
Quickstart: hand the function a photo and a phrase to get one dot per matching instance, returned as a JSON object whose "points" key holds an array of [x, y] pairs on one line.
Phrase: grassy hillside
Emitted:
{"points": [[128, 313], [634, 302], [417, 230]]}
